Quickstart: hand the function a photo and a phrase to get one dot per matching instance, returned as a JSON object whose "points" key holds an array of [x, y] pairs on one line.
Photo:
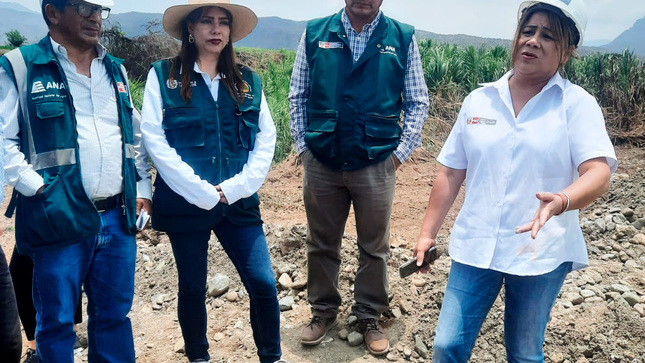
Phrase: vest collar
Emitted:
{"points": [[337, 23], [45, 52]]}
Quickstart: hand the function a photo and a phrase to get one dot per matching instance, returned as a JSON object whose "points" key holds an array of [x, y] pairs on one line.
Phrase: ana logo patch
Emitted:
{"points": [[386, 49], [121, 87], [37, 87], [331, 45]]}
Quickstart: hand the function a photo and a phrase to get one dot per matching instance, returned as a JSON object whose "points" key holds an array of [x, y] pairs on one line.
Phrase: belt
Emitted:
{"points": [[108, 203]]}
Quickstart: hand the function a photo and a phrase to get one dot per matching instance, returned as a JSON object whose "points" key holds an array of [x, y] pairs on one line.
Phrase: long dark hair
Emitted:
{"points": [[226, 65], [564, 31]]}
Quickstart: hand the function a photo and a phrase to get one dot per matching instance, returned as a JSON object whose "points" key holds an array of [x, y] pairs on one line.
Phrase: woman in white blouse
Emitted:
{"points": [[533, 149], [208, 129]]}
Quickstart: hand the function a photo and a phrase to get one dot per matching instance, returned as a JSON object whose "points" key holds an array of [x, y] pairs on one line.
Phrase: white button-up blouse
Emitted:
{"points": [[507, 160]]}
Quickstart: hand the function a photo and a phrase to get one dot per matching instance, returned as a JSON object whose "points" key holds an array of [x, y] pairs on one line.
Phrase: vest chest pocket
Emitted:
{"points": [[49, 127], [320, 133], [381, 135], [184, 127], [248, 126]]}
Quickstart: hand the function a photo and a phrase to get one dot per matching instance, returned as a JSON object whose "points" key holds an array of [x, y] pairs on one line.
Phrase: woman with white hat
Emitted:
{"points": [[208, 129], [533, 149]]}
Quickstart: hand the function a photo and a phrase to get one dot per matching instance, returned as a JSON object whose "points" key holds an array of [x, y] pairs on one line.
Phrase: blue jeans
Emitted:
{"points": [[104, 263], [471, 292], [247, 249]]}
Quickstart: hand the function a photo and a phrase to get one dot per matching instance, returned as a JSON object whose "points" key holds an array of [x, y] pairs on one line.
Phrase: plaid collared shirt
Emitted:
{"points": [[415, 92]]}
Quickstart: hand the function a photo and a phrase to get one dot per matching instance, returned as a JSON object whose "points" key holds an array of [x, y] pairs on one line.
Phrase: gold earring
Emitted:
{"points": [[191, 39]]}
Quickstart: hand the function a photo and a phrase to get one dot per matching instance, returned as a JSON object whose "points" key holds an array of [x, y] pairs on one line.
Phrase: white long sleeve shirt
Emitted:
{"points": [[179, 176], [99, 135]]}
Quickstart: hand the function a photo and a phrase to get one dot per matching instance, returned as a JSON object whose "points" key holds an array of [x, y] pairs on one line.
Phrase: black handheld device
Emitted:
{"points": [[411, 267]]}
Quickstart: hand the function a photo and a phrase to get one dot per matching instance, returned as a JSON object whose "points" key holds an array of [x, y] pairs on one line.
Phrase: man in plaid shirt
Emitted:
{"points": [[354, 73]]}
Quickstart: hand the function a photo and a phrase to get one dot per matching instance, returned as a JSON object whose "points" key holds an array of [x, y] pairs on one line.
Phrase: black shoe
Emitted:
{"points": [[30, 357]]}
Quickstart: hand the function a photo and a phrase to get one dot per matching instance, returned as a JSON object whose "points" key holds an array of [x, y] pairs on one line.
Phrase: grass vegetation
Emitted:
{"points": [[451, 72]]}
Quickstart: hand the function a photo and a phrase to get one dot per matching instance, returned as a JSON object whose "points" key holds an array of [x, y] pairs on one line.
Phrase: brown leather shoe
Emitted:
{"points": [[314, 332], [375, 338]]}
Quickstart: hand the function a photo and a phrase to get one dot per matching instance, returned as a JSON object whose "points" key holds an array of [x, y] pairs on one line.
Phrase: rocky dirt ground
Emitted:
{"points": [[599, 317]]}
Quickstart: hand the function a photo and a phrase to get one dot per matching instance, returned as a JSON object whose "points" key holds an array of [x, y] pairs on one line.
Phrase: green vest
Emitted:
{"points": [[62, 214], [214, 138], [354, 109]]}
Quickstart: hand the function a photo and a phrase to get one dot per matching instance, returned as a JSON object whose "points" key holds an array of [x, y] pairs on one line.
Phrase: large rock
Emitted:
{"points": [[420, 347], [354, 338], [218, 285], [285, 281], [640, 238], [286, 303], [632, 298]]}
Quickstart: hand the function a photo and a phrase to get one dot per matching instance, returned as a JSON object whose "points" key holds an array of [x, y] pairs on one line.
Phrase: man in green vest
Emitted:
{"points": [[354, 73], [80, 175]]}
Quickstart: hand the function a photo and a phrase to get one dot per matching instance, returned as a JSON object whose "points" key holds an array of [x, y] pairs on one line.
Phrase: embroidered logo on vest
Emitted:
{"points": [[387, 49], [37, 87], [331, 45], [173, 83], [121, 87]]}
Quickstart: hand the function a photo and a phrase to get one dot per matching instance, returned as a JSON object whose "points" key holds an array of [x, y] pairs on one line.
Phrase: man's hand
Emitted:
{"points": [[397, 162], [145, 204]]}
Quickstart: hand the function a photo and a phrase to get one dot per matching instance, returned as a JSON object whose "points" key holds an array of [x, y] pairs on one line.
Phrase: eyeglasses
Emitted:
{"points": [[86, 10]]}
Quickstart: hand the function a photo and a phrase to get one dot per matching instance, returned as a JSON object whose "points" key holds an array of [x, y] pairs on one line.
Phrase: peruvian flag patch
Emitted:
{"points": [[121, 87]]}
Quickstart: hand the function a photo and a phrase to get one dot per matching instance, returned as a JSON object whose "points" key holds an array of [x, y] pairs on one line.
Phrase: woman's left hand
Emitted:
{"points": [[550, 205]]}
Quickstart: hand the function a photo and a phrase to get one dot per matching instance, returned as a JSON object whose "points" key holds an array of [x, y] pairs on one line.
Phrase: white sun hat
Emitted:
{"points": [[244, 19]]}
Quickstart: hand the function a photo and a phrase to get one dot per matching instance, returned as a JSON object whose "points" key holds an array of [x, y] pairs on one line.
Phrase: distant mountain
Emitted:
{"points": [[274, 32], [13, 6], [133, 23], [597, 42], [463, 39], [29, 23], [631, 38]]}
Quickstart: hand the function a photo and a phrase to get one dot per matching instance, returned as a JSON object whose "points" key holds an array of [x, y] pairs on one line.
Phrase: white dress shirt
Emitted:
{"points": [[99, 135], [507, 160], [179, 176]]}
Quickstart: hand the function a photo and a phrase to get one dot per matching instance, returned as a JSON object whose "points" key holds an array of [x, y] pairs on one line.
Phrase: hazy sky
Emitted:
{"points": [[486, 18]]}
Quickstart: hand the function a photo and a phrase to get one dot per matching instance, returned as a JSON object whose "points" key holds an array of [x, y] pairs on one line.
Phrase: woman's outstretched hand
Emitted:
{"points": [[550, 205], [424, 244]]}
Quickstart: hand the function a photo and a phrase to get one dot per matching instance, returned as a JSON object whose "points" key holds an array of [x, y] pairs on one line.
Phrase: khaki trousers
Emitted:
{"points": [[328, 194]]}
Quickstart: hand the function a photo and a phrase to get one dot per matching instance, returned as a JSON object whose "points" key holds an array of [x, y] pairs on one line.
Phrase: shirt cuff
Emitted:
{"points": [[144, 189], [230, 192], [29, 184], [301, 147], [401, 156]]}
